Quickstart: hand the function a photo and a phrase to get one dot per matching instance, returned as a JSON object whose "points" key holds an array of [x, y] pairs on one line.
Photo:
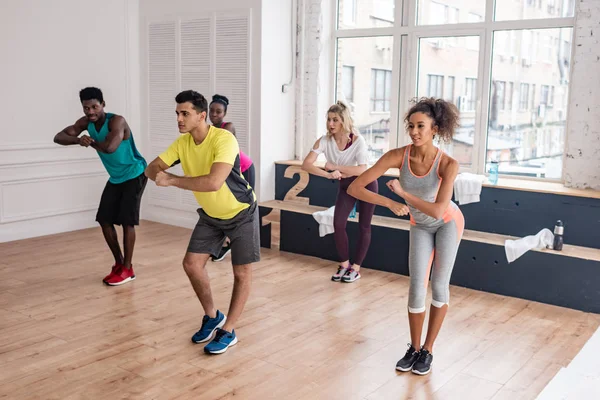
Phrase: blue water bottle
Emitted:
{"points": [[493, 173], [353, 212]]}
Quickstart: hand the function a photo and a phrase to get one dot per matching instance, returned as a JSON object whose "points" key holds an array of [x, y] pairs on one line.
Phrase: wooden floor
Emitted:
{"points": [[64, 335]]}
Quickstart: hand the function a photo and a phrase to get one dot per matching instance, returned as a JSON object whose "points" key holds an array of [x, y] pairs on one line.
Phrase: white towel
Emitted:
{"points": [[467, 188], [516, 248], [325, 220]]}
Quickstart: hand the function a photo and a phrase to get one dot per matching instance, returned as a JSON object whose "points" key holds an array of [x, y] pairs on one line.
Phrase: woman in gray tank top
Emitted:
{"points": [[426, 183]]}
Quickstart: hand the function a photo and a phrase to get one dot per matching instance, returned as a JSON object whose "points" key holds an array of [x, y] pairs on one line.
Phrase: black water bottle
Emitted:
{"points": [[558, 236]]}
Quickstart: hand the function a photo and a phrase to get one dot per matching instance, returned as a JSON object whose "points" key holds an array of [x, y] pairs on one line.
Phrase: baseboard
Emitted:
{"points": [[169, 216], [47, 226], [87, 219]]}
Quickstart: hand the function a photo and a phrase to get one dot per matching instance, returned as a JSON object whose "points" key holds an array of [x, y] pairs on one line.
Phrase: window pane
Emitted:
{"points": [[509, 95], [434, 85], [371, 61], [442, 12], [530, 9], [498, 95], [528, 139], [348, 84], [353, 14], [379, 84], [449, 90], [455, 63]]}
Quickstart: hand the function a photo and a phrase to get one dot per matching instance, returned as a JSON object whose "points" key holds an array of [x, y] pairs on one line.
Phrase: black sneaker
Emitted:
{"points": [[423, 364], [224, 251], [406, 363]]}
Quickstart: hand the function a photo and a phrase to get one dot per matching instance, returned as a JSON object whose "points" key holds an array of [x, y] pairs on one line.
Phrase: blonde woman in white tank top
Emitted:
{"points": [[346, 154], [426, 183]]}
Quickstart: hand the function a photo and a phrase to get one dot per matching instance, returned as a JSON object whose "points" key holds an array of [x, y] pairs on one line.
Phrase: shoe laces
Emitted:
{"points": [[411, 350], [204, 321], [422, 355], [340, 269], [220, 333], [349, 271]]}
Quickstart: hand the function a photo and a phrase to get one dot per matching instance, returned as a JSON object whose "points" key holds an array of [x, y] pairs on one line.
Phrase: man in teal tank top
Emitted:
{"points": [[110, 136]]}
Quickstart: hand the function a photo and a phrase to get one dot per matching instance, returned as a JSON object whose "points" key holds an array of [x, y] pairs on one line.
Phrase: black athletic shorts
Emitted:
{"points": [[243, 230], [120, 203]]}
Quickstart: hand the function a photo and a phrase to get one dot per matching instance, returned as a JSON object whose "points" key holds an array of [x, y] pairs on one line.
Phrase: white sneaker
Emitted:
{"points": [[351, 275], [339, 274]]}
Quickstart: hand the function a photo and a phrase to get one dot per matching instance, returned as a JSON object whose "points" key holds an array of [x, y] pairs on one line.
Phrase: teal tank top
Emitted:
{"points": [[126, 162]]}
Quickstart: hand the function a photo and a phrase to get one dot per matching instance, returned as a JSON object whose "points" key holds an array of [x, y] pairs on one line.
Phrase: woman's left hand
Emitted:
{"points": [[394, 186]]}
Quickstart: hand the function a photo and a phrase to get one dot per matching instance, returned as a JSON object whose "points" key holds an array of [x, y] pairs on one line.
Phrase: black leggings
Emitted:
{"points": [[250, 175]]}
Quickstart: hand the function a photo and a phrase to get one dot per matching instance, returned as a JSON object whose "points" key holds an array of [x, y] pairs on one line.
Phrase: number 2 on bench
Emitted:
{"points": [[292, 194]]}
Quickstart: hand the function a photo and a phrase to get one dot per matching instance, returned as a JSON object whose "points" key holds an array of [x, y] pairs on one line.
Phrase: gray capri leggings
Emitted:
{"points": [[433, 247]]}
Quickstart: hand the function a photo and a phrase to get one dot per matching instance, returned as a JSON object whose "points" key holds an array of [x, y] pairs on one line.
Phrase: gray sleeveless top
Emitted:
{"points": [[425, 187]]}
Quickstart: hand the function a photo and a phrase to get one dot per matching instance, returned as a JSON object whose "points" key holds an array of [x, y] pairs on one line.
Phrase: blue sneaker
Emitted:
{"points": [[221, 342], [209, 325]]}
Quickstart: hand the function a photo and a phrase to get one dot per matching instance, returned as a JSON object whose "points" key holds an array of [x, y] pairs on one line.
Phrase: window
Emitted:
{"points": [[544, 95], [348, 84], [470, 95], [500, 97], [349, 7], [364, 81], [548, 48], [441, 12], [551, 7], [355, 14], [435, 86], [511, 10], [522, 139], [381, 85], [524, 97], [449, 90], [433, 65], [509, 95], [508, 73]]}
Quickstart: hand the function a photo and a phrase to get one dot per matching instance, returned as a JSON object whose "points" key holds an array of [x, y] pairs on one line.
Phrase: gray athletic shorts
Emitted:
{"points": [[242, 230]]}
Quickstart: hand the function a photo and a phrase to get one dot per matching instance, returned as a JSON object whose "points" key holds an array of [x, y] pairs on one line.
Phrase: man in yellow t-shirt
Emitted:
{"points": [[210, 160]]}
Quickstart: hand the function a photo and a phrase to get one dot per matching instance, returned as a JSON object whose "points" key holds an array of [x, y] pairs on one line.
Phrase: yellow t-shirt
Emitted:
{"points": [[196, 160]]}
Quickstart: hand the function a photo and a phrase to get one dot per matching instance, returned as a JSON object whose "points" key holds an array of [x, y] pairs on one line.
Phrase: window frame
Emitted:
{"points": [[406, 35]]}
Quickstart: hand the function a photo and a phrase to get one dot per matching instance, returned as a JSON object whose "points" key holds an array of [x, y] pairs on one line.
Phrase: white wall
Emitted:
{"points": [[50, 50], [582, 158], [277, 133]]}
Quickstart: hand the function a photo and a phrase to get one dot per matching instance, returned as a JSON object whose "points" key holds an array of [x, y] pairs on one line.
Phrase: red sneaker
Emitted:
{"points": [[122, 275], [114, 269]]}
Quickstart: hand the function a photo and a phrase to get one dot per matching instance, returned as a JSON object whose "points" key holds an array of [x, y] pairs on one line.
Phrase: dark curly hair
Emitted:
{"points": [[444, 114]]}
